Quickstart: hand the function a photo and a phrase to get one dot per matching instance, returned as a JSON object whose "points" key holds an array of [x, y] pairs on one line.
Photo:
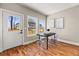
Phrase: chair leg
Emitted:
{"points": [[39, 40]]}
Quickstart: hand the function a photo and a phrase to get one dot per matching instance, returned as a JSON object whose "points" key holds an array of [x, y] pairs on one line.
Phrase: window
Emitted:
{"points": [[13, 23], [59, 23], [31, 26], [41, 25]]}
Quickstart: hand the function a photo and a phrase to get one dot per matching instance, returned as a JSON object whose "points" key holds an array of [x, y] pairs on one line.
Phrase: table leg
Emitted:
{"points": [[47, 43]]}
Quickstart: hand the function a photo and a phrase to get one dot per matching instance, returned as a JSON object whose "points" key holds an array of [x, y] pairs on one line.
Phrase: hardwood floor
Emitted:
{"points": [[33, 49]]}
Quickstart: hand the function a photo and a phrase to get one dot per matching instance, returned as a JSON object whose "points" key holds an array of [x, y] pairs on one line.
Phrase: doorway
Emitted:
{"points": [[12, 29]]}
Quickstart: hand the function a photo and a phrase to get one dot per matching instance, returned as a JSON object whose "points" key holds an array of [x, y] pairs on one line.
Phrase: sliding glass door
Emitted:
{"points": [[35, 25]]}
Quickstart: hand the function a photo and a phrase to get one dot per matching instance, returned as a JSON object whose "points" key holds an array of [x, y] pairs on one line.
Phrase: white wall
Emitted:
{"points": [[71, 24], [0, 30]]}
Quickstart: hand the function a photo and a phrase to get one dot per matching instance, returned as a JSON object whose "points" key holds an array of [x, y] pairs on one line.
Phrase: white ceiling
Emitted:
{"points": [[49, 8]]}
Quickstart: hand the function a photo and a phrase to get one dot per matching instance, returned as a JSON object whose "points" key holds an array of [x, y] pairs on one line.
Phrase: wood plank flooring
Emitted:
{"points": [[33, 49]]}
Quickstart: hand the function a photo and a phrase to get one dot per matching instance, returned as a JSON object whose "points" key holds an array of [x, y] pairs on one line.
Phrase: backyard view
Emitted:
{"points": [[13, 23]]}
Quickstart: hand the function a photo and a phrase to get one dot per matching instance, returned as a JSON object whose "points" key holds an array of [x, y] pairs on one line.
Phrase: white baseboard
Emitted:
{"points": [[69, 42], [29, 42]]}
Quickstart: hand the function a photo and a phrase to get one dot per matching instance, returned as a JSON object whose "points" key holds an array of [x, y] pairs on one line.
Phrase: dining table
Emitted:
{"points": [[47, 35]]}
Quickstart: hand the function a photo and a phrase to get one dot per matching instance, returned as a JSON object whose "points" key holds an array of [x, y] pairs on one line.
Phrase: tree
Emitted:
{"points": [[11, 22]]}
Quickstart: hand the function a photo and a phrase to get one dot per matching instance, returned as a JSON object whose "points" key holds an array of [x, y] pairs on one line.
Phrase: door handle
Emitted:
{"points": [[21, 31]]}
